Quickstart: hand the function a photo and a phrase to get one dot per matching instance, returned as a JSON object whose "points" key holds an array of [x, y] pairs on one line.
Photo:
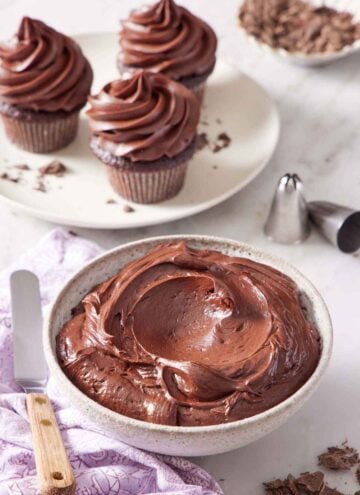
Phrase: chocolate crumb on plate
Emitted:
{"points": [[53, 168], [128, 209], [224, 138], [202, 141], [222, 141], [111, 202], [71, 232], [339, 458], [6, 176], [357, 474], [22, 166], [40, 184]]}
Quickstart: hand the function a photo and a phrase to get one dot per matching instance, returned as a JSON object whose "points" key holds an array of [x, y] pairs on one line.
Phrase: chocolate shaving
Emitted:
{"points": [[291, 484], [128, 209], [297, 26], [311, 483], [336, 458], [339, 458], [53, 168], [305, 484], [276, 487]]}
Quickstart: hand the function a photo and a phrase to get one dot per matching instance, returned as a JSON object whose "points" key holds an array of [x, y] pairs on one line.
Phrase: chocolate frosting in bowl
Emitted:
{"points": [[144, 118], [190, 337], [43, 70], [168, 38]]}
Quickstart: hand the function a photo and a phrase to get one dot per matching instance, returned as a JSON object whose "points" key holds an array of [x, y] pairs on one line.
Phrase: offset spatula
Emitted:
{"points": [[53, 467]]}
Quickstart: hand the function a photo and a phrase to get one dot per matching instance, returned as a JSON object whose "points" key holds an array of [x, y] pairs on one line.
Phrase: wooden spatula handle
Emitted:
{"points": [[52, 464]]}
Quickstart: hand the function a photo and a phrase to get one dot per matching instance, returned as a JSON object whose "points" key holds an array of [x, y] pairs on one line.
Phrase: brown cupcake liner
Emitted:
{"points": [[147, 187], [39, 136]]}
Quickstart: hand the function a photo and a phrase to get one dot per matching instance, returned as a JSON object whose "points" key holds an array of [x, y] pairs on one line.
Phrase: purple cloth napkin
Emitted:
{"points": [[102, 465]]}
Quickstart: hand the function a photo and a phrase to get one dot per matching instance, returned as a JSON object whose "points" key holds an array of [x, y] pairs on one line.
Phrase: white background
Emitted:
{"points": [[320, 114]]}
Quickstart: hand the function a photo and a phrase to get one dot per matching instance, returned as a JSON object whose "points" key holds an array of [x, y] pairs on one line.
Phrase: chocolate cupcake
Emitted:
{"points": [[169, 39], [144, 131], [44, 82]]}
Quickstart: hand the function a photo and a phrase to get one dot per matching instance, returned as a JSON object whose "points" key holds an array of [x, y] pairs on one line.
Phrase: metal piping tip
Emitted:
{"points": [[288, 221], [339, 224]]}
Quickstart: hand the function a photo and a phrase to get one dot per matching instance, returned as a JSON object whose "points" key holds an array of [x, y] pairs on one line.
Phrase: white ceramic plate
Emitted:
{"points": [[315, 59], [234, 104]]}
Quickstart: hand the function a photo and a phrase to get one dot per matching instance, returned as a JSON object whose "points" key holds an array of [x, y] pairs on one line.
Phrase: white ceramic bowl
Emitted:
{"points": [[186, 441], [315, 59]]}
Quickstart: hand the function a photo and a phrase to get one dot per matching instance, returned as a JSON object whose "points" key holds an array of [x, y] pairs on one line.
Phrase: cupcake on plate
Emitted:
{"points": [[44, 82], [144, 131], [169, 39]]}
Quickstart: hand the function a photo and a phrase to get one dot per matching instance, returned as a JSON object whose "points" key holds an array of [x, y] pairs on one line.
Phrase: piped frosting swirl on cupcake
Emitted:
{"points": [[190, 337], [43, 70], [167, 38], [144, 118]]}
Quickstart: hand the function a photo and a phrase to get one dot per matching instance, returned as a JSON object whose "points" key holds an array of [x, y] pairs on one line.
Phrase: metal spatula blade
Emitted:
{"points": [[29, 360]]}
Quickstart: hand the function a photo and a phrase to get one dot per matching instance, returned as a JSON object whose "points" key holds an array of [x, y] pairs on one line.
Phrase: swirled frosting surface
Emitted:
{"points": [[168, 38], [144, 118], [43, 70], [188, 337]]}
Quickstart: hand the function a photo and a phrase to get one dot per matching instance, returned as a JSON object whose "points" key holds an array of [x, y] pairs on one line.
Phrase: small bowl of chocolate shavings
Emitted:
{"points": [[306, 33]]}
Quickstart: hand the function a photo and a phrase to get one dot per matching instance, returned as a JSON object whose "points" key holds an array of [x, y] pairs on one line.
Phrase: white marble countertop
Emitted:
{"points": [[320, 118]]}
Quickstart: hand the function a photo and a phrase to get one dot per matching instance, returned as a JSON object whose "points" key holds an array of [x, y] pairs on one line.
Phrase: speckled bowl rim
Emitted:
{"points": [[245, 250]]}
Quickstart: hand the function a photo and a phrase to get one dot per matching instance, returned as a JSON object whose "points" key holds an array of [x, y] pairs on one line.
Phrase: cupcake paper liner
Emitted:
{"points": [[39, 136], [150, 186]]}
